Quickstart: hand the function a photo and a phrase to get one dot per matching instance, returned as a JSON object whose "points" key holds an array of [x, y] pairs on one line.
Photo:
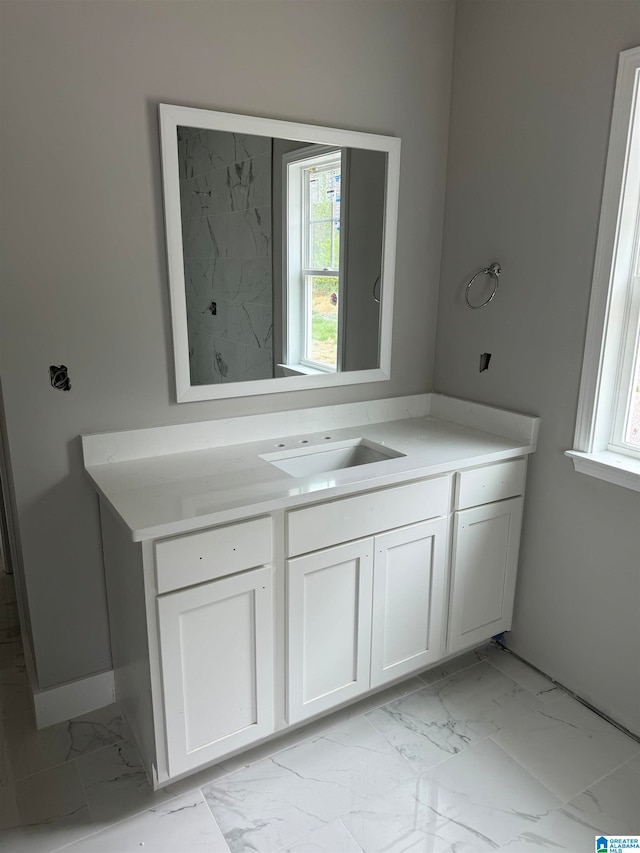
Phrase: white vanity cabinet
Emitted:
{"points": [[362, 613], [244, 600], [484, 558], [259, 624]]}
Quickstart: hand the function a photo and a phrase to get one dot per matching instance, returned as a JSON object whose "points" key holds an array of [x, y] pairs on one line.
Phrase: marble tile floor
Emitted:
{"points": [[482, 753]]}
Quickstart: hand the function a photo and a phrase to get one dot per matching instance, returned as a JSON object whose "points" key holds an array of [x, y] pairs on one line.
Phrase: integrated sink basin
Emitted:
{"points": [[321, 459]]}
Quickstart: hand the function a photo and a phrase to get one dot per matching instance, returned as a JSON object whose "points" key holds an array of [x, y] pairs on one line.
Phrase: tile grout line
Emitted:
{"points": [[102, 829], [298, 838], [86, 802], [444, 677], [563, 803], [598, 780], [418, 773], [215, 820], [325, 824], [415, 771], [530, 772], [522, 686], [346, 829], [66, 761], [86, 799], [570, 692], [635, 770], [128, 816], [124, 820], [321, 733], [318, 735], [544, 707]]}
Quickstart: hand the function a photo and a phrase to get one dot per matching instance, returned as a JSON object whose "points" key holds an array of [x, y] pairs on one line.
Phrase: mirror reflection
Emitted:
{"points": [[282, 251]]}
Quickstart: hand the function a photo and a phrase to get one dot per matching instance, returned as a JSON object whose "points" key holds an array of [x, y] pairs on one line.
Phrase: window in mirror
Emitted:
{"points": [[313, 226]]}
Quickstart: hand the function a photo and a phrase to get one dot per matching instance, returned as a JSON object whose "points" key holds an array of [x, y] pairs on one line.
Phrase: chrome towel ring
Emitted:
{"points": [[494, 271]]}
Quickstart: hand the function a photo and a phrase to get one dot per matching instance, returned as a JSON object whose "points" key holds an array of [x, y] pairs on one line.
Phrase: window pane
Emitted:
{"points": [[320, 246], [324, 193], [322, 221], [322, 320], [633, 424]]}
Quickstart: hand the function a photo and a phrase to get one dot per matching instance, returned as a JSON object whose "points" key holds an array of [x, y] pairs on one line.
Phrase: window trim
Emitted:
{"points": [[627, 366], [294, 252], [612, 280]]}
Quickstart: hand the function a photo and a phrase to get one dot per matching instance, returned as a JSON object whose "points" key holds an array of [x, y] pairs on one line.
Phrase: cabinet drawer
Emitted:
{"points": [[209, 554], [342, 520], [491, 483]]}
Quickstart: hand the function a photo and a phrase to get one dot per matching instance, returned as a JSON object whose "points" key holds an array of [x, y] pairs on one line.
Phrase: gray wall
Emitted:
{"points": [[84, 279], [364, 234], [531, 108]]}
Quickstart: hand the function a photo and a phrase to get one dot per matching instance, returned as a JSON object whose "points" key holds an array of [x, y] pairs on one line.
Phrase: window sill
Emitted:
{"points": [[605, 465], [302, 370]]}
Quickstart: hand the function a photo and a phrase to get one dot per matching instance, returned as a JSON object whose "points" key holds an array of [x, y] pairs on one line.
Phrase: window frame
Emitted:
{"points": [[297, 317], [612, 327], [628, 357]]}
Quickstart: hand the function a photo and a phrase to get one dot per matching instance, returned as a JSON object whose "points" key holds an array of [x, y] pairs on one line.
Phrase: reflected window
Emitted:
{"points": [[313, 228]]}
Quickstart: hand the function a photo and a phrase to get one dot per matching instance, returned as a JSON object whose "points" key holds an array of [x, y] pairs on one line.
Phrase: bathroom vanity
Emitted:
{"points": [[257, 584]]}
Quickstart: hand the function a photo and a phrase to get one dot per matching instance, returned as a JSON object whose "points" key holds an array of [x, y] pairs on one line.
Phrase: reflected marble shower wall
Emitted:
{"points": [[225, 189]]}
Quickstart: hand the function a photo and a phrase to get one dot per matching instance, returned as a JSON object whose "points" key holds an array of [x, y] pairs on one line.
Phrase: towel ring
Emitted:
{"points": [[494, 271]]}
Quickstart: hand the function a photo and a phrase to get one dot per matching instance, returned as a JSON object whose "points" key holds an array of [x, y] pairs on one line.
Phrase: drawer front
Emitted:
{"points": [[331, 523], [491, 483], [209, 554]]}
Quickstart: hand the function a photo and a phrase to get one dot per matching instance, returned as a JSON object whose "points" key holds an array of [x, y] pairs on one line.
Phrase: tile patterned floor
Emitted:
{"points": [[482, 753]]}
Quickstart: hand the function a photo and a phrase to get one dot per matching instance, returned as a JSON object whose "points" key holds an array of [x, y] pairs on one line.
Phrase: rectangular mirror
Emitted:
{"points": [[281, 253]]}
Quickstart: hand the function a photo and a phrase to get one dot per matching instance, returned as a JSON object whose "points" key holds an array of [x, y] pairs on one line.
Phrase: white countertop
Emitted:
{"points": [[177, 492]]}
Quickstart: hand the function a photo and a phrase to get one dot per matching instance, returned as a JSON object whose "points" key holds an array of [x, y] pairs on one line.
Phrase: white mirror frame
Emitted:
{"points": [[172, 117]]}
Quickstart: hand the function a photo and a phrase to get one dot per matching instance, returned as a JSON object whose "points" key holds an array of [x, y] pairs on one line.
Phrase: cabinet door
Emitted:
{"points": [[216, 645], [329, 627], [408, 599], [484, 562]]}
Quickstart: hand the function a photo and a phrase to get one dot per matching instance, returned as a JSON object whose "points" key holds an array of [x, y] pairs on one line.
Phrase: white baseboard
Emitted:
{"points": [[57, 704]]}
